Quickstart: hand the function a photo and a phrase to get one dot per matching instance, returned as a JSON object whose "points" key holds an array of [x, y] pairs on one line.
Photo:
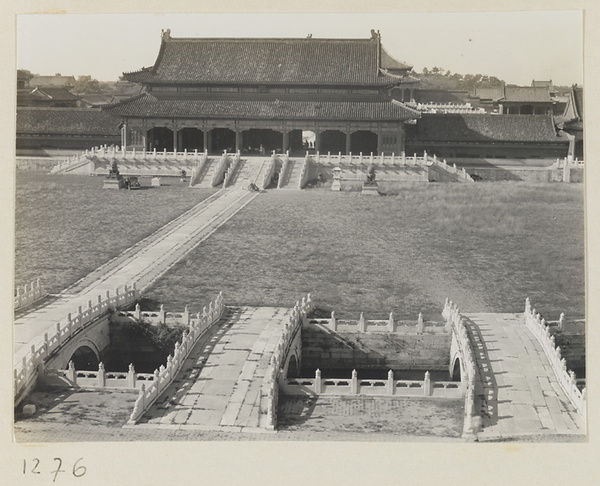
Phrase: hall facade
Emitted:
{"points": [[257, 95]]}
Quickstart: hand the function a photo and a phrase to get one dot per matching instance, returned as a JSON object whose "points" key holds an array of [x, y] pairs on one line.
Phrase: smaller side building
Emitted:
{"points": [[487, 136], [64, 129]]}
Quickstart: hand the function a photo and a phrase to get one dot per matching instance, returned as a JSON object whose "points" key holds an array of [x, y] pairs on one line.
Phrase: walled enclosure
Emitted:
{"points": [[323, 348]]}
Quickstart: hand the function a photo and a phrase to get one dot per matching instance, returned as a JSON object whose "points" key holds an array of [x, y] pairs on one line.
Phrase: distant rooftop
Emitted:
{"points": [[56, 81], [73, 121], [492, 128]]}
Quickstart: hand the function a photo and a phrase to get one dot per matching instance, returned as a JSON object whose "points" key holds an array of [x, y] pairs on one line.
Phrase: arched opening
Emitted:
{"points": [[526, 110], [456, 370], [222, 139], [160, 138], [191, 139], [309, 139], [363, 141], [261, 141], [333, 141], [293, 368], [84, 358]]}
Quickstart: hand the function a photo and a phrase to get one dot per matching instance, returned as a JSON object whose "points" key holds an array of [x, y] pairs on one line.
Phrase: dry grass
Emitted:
{"points": [[486, 246], [66, 226]]}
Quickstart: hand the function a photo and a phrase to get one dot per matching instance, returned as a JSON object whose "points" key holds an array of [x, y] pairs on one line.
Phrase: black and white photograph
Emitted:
{"points": [[264, 229]]}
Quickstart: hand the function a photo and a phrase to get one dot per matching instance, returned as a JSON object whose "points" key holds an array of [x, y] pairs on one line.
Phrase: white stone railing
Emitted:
{"points": [[29, 294], [454, 319], [160, 316], [219, 170], [26, 371], [270, 386], [231, 169], [460, 173], [197, 170], [165, 375], [305, 171], [284, 168], [371, 387], [97, 379], [114, 152], [448, 108], [567, 163], [268, 174], [567, 379], [381, 325], [350, 159]]}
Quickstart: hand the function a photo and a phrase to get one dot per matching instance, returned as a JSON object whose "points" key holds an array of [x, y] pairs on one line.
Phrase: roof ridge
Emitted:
{"points": [[269, 39]]}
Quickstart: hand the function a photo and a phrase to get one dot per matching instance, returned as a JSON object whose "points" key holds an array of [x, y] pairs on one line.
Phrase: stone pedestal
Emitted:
{"points": [[114, 183], [370, 189]]}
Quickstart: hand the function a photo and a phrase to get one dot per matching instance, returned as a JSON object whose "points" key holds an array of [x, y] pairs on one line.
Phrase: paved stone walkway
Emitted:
{"points": [[521, 396], [219, 385], [147, 261]]}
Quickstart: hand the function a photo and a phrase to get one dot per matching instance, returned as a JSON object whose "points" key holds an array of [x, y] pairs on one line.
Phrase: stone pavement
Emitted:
{"points": [[147, 261], [521, 396], [219, 385]]}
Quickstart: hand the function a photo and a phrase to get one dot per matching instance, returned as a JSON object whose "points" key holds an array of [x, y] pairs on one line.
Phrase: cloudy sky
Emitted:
{"points": [[514, 46]]}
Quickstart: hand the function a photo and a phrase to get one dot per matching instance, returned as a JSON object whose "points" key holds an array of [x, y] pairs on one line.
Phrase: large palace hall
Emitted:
{"points": [[259, 95]]}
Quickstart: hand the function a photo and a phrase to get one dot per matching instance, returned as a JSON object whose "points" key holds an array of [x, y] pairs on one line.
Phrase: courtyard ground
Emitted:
{"points": [[485, 246]]}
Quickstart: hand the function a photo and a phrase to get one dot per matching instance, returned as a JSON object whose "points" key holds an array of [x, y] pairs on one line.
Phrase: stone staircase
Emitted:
{"points": [[204, 179], [291, 178], [246, 172]]}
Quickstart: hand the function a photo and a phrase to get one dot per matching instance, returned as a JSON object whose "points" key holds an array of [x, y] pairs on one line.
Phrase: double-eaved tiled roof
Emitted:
{"points": [[526, 94], [147, 105], [487, 128], [308, 61], [66, 121]]}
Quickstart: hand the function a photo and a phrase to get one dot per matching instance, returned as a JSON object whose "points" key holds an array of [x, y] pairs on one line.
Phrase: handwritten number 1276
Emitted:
{"points": [[78, 470]]}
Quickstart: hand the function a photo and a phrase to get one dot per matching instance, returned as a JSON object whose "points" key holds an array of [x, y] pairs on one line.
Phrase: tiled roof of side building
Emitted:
{"points": [[307, 61], [487, 128], [148, 106], [52, 81], [526, 94], [51, 94], [489, 92], [66, 121]]}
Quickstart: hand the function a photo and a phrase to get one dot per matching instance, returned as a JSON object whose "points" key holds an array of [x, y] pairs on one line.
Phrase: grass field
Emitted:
{"points": [[486, 246], [66, 226]]}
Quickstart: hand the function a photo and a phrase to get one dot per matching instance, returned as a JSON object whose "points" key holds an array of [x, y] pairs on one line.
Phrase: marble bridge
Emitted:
{"points": [[232, 363]]}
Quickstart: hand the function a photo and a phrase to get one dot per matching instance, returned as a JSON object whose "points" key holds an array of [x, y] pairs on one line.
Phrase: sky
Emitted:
{"points": [[514, 46]]}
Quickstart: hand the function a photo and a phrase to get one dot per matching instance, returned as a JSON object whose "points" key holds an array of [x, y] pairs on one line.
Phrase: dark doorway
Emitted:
{"points": [[191, 139], [333, 141], [223, 139], [160, 138], [363, 141], [262, 141]]}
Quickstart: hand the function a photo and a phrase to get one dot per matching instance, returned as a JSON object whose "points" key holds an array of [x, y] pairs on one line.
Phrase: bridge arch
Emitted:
{"points": [[86, 356], [456, 369], [293, 370]]}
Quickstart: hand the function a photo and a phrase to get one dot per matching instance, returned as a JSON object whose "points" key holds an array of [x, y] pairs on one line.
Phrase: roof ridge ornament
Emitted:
{"points": [[375, 35], [165, 35]]}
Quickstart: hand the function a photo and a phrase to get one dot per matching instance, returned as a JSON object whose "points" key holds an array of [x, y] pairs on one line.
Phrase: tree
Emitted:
{"points": [[86, 84]]}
